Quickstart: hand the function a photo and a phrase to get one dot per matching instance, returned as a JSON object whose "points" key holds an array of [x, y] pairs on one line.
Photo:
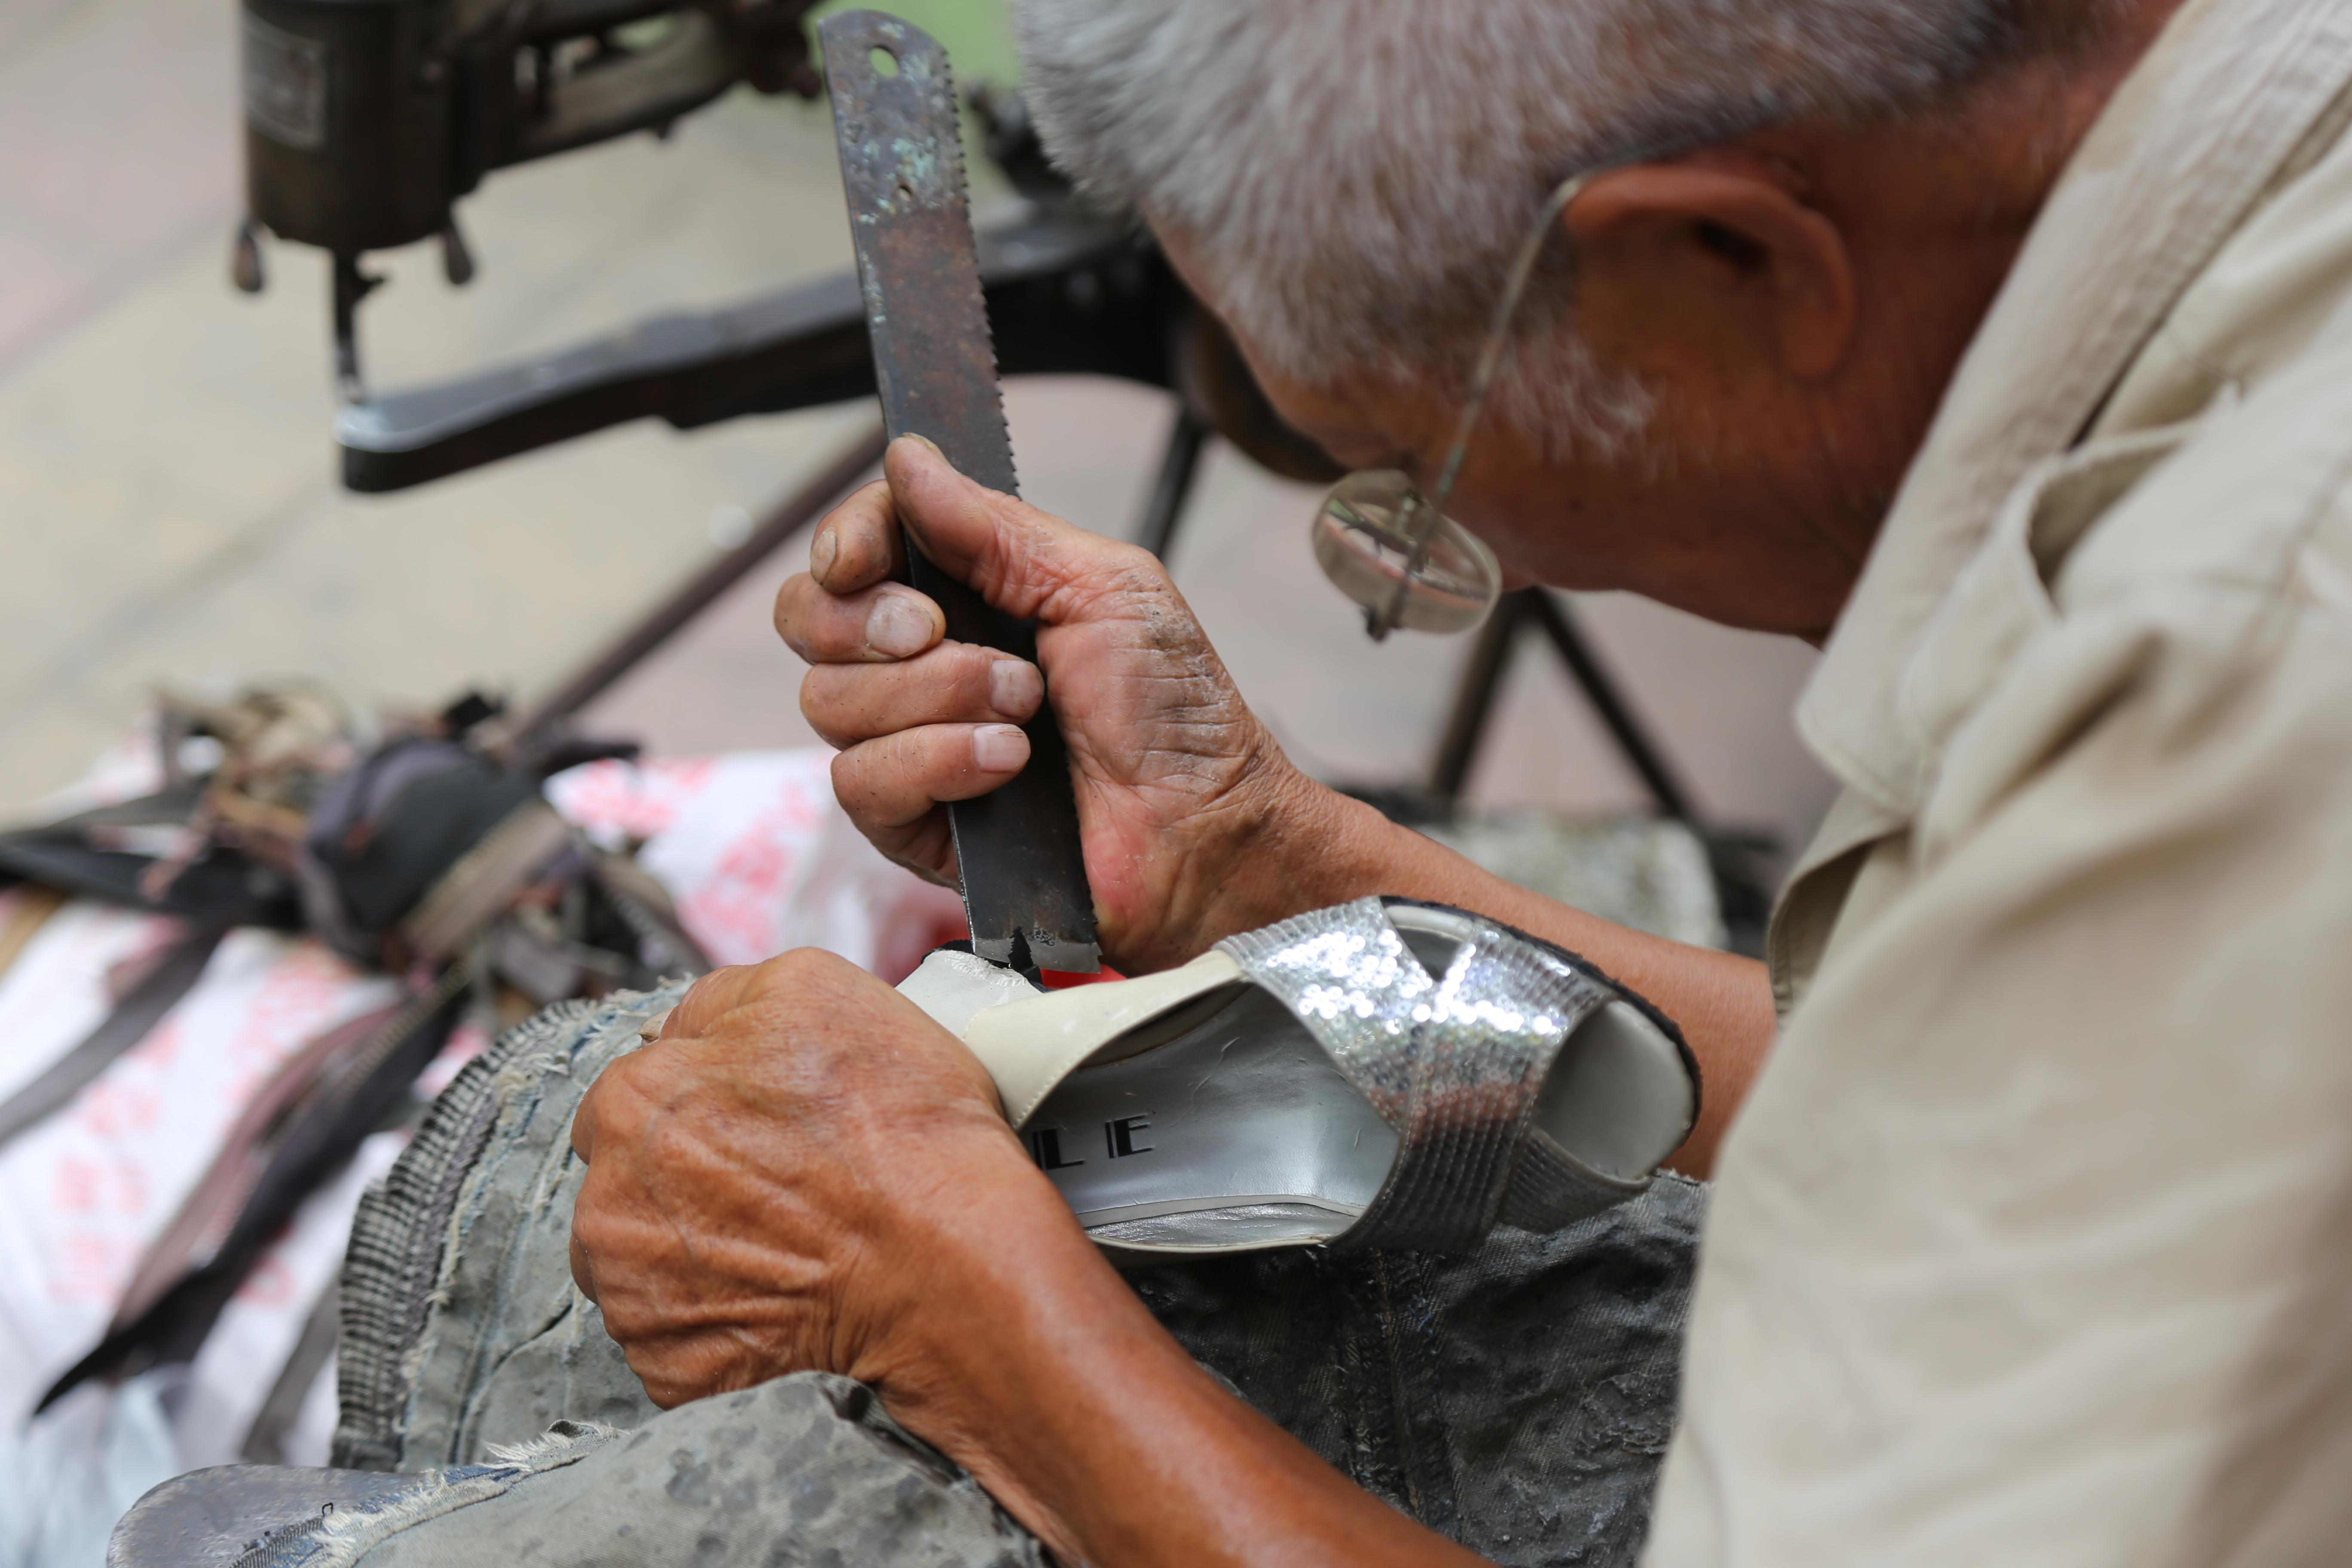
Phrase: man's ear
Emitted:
{"points": [[1703, 260]]}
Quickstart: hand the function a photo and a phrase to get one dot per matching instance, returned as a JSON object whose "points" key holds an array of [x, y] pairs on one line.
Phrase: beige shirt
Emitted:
{"points": [[2033, 1244]]}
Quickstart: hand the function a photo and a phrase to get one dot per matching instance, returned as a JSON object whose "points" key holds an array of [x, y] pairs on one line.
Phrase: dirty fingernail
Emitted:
{"points": [[999, 748], [1015, 686], [897, 626], [824, 550]]}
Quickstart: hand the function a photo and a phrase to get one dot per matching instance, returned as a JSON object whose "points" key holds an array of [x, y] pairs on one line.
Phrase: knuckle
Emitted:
{"points": [[803, 967], [849, 781], [825, 628], [627, 1098], [709, 994], [601, 1229], [853, 779], [622, 1080], [1132, 569], [972, 676], [667, 1391], [593, 1228], [593, 1121], [846, 770], [828, 704], [800, 612], [866, 780], [912, 756], [871, 528]]}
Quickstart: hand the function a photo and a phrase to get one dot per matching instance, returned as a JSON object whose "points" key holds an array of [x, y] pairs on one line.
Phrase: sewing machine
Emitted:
{"points": [[366, 121]]}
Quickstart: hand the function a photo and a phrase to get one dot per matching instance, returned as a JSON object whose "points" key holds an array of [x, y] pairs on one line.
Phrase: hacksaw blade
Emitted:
{"points": [[1024, 876]]}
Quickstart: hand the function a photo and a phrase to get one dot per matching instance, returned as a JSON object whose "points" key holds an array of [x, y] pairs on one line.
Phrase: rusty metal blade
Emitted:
{"points": [[1024, 876]]}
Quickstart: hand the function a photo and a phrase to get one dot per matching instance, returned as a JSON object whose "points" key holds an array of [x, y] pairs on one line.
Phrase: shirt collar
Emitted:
{"points": [[2168, 171]]}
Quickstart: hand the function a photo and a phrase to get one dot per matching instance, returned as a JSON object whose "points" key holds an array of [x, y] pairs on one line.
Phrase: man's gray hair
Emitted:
{"points": [[1353, 176]]}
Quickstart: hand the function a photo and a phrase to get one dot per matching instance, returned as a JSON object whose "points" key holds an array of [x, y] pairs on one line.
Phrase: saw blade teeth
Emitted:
{"points": [[963, 187], [901, 135]]}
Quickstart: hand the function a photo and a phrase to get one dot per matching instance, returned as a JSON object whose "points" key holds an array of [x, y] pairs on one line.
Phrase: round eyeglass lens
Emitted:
{"points": [[1363, 539]]}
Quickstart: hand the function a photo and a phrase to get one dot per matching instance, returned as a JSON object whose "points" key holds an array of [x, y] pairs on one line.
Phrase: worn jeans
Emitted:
{"points": [[1518, 1400]]}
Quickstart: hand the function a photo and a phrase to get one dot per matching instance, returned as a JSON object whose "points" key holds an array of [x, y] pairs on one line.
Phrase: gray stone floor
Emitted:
{"points": [[168, 510]]}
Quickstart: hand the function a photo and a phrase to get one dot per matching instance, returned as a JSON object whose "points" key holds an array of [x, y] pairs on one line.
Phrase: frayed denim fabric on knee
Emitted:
{"points": [[805, 1470]]}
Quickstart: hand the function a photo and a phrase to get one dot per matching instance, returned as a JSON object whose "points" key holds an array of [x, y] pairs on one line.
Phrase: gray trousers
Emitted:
{"points": [[1518, 1400]]}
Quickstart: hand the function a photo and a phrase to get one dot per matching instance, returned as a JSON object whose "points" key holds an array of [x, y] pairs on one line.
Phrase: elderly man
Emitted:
{"points": [[1999, 346]]}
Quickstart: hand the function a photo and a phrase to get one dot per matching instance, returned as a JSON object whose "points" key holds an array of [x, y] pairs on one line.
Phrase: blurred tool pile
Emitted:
{"points": [[238, 963]]}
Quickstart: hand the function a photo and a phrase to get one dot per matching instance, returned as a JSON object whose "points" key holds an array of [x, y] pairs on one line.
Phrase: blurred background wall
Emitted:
{"points": [[169, 511]]}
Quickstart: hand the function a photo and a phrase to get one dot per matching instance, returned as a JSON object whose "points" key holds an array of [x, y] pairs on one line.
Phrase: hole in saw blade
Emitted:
{"points": [[884, 62]]}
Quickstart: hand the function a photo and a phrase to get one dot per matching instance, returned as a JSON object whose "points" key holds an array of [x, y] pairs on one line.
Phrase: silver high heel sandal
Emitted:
{"points": [[1384, 1073]]}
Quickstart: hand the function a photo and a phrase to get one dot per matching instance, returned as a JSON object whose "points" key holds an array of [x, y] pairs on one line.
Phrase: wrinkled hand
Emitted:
{"points": [[779, 1183], [1187, 807]]}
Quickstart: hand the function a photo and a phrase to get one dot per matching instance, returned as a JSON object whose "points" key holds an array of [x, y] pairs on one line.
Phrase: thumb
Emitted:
{"points": [[1025, 561]]}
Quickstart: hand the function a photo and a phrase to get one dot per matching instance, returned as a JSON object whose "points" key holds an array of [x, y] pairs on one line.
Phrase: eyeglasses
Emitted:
{"points": [[1392, 549]]}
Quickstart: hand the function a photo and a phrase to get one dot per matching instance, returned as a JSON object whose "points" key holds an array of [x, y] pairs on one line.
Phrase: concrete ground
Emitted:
{"points": [[169, 513]]}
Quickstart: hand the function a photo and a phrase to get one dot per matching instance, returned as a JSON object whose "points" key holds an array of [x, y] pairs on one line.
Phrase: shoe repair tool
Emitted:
{"points": [[894, 117]]}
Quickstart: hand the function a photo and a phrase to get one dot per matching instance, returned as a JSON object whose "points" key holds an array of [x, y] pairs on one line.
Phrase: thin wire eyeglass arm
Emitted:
{"points": [[1422, 515]]}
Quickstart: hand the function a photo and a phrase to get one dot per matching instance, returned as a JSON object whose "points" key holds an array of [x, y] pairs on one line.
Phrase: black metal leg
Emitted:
{"points": [[1474, 698], [1601, 689], [1180, 461], [1482, 679], [350, 287]]}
